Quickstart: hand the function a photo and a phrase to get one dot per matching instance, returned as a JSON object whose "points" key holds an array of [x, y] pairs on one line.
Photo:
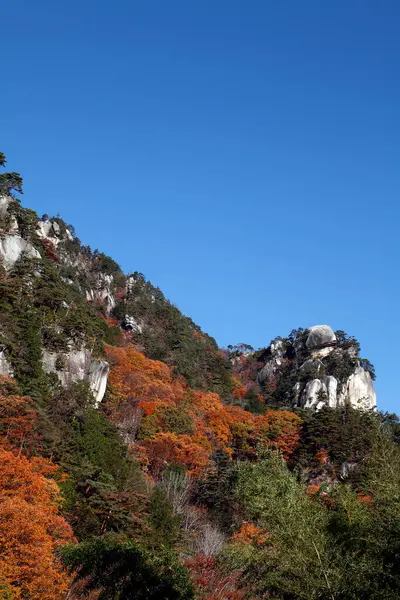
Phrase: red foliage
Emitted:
{"points": [[362, 497], [120, 293], [50, 250], [211, 583]]}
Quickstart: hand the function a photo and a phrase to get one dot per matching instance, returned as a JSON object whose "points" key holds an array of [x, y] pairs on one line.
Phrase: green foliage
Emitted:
{"points": [[337, 545], [9, 182], [6, 592], [27, 220], [104, 264], [391, 425], [124, 571], [166, 418], [38, 309], [163, 522], [239, 350], [365, 529], [252, 403], [368, 366], [215, 490], [105, 486], [297, 562], [346, 434], [171, 337]]}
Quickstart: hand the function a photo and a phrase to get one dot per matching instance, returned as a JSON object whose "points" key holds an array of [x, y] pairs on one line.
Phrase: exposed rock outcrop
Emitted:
{"points": [[13, 247], [5, 366], [129, 323], [320, 335], [320, 340], [331, 388], [315, 394], [101, 292], [77, 365], [359, 390], [4, 202], [322, 370], [98, 376]]}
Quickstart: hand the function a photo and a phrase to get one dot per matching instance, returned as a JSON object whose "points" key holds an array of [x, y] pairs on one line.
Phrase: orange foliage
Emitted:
{"points": [[364, 498], [238, 389], [250, 534], [17, 417], [313, 489], [111, 321], [31, 528], [199, 336], [322, 457], [136, 381], [168, 448]]}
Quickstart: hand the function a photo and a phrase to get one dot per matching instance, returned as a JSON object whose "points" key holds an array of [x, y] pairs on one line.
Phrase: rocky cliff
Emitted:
{"points": [[310, 368], [62, 302], [316, 367]]}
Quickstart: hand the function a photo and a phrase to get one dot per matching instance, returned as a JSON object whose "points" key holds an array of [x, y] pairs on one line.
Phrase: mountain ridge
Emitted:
{"points": [[128, 437]]}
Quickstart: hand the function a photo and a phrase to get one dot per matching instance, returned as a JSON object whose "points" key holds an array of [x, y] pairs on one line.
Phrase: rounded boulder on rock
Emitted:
{"points": [[320, 336]]}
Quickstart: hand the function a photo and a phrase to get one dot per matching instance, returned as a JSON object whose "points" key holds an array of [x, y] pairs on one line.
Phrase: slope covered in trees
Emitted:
{"points": [[139, 460]]}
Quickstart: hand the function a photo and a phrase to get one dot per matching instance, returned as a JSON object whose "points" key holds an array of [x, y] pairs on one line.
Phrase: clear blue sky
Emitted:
{"points": [[243, 155]]}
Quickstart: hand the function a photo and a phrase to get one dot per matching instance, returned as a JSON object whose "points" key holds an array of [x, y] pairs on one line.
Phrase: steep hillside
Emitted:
{"points": [[139, 460], [58, 294]]}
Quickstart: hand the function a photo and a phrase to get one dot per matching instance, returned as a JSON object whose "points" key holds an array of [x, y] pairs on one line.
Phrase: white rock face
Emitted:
{"points": [[297, 393], [131, 324], [78, 365], [269, 369], [312, 364], [321, 352], [5, 367], [13, 247], [12, 225], [314, 394], [277, 348], [331, 387], [49, 230], [101, 292], [98, 376], [69, 367], [4, 202], [320, 336], [359, 390], [130, 284], [43, 228]]}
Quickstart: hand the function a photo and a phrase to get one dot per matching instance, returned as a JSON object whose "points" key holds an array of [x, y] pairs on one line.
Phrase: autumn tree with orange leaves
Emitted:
{"points": [[178, 425], [31, 528]]}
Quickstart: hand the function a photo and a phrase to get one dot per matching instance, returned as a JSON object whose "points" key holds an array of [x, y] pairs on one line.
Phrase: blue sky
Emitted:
{"points": [[243, 155]]}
